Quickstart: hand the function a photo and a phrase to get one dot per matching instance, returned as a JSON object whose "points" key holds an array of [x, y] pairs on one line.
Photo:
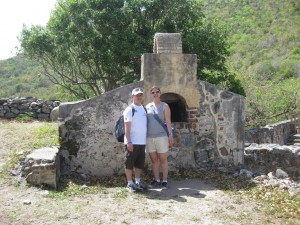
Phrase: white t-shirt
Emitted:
{"points": [[138, 131]]}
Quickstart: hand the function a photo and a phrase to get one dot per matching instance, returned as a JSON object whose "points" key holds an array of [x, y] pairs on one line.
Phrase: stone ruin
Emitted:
{"points": [[208, 121], [275, 146]]}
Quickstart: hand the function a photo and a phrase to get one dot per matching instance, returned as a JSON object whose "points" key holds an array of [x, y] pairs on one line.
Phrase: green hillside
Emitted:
{"points": [[20, 77], [265, 40], [264, 43]]}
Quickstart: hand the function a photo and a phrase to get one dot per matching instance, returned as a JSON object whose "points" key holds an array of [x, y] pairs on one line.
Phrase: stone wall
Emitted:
{"points": [[277, 133], [87, 143], [265, 158], [221, 127], [267, 150], [212, 136], [37, 108]]}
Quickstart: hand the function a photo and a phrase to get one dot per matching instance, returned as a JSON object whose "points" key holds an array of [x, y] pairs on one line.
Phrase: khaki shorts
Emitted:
{"points": [[158, 144]]}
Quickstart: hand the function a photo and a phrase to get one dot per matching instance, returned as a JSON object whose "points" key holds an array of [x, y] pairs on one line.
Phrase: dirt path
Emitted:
{"points": [[188, 201]]}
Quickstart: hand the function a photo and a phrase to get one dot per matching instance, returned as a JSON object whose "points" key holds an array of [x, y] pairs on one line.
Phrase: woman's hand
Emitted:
{"points": [[170, 139]]}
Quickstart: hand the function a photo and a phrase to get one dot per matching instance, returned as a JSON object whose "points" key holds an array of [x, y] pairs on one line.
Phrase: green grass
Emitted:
{"points": [[20, 138], [72, 189], [121, 193], [28, 117], [46, 135]]}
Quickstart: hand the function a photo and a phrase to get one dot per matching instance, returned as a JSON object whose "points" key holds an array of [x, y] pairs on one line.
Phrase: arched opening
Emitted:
{"points": [[177, 105]]}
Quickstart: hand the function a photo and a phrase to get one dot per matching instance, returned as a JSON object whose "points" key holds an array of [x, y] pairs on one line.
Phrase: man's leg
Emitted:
{"points": [[137, 173], [139, 165], [128, 174], [129, 167]]}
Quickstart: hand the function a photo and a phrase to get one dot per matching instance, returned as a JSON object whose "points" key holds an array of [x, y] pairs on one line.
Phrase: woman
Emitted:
{"points": [[159, 136]]}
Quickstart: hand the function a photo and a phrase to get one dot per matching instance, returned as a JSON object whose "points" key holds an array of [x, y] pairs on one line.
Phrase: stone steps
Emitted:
{"points": [[294, 139]]}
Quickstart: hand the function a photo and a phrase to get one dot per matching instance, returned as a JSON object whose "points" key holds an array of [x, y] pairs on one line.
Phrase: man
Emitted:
{"points": [[135, 140]]}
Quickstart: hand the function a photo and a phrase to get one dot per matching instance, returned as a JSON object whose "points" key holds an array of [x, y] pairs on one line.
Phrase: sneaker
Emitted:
{"points": [[155, 183], [142, 186], [164, 185], [133, 188]]}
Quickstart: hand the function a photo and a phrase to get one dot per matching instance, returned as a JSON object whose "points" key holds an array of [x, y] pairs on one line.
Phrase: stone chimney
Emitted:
{"points": [[167, 43], [171, 70]]}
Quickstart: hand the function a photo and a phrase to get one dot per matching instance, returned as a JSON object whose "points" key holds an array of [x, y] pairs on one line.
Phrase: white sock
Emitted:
{"points": [[165, 181], [158, 180], [137, 180], [130, 182]]}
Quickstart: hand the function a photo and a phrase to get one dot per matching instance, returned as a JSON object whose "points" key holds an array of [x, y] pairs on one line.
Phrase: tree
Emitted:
{"points": [[93, 46]]}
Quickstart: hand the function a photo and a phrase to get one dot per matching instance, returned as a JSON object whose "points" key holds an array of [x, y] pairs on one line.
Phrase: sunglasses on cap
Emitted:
{"points": [[155, 92], [138, 89]]}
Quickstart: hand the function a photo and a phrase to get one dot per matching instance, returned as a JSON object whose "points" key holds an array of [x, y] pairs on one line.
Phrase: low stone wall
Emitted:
{"points": [[276, 133], [38, 109], [267, 150], [265, 158]]}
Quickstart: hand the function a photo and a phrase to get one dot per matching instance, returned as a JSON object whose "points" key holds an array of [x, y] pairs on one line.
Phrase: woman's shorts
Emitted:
{"points": [[157, 144]]}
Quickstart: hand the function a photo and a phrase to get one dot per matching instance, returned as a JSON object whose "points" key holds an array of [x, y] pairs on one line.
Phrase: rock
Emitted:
{"points": [[26, 202], [14, 172], [54, 113], [83, 187], [83, 175], [280, 174], [260, 178], [45, 192], [247, 173], [293, 191], [270, 175]]}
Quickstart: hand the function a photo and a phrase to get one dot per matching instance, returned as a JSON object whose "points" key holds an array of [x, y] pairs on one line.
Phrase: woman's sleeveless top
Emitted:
{"points": [[154, 128]]}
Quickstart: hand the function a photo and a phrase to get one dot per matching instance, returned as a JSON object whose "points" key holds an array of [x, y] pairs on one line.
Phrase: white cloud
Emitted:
{"points": [[15, 13]]}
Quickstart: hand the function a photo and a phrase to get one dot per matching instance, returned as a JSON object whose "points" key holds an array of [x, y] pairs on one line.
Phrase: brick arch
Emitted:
{"points": [[177, 105]]}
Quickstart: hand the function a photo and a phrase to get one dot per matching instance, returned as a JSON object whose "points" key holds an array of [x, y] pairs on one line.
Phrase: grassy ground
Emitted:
{"points": [[194, 197]]}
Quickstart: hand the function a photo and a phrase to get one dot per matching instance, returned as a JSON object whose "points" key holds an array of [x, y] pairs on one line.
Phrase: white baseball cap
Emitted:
{"points": [[137, 91]]}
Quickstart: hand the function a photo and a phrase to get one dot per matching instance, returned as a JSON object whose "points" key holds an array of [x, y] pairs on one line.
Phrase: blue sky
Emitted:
{"points": [[15, 13]]}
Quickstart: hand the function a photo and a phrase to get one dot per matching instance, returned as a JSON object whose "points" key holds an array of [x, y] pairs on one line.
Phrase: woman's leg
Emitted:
{"points": [[155, 165], [163, 158]]}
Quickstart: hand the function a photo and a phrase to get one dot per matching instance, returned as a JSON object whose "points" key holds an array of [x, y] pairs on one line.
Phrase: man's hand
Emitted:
{"points": [[130, 147]]}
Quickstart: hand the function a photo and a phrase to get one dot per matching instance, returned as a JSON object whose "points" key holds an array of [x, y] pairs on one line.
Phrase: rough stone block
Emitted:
{"points": [[41, 167]]}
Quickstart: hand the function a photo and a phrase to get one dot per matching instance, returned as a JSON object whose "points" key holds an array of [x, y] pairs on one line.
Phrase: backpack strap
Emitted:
{"points": [[159, 121], [133, 110]]}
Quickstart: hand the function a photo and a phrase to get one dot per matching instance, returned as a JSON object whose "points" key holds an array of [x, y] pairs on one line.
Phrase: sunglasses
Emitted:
{"points": [[155, 92], [138, 89]]}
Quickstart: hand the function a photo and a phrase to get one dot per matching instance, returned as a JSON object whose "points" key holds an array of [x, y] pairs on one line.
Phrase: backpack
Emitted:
{"points": [[119, 128]]}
